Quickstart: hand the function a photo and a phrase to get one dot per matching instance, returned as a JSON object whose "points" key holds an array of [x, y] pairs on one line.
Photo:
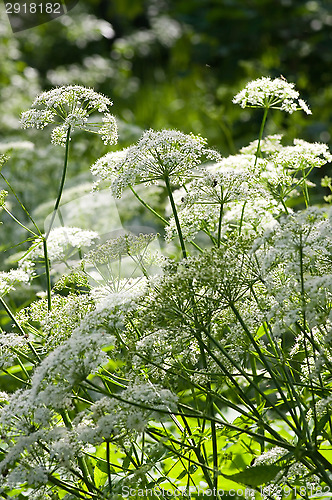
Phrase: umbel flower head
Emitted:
{"points": [[63, 242], [71, 106], [303, 155], [157, 155], [267, 93]]}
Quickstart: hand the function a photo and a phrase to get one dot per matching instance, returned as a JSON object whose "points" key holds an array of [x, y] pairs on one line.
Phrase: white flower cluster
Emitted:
{"points": [[121, 263], [62, 242], [138, 404], [8, 343], [68, 95], [3, 159], [245, 163], [194, 218], [258, 214], [267, 93], [58, 324], [302, 155], [298, 242], [112, 307], [128, 244], [224, 186], [157, 155], [119, 364], [73, 106], [233, 188], [106, 167], [164, 351], [270, 144], [66, 366], [10, 278]]}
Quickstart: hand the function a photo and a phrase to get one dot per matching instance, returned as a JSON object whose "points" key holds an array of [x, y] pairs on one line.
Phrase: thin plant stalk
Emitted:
{"points": [[220, 224], [176, 218], [146, 205], [62, 183], [260, 137], [257, 155]]}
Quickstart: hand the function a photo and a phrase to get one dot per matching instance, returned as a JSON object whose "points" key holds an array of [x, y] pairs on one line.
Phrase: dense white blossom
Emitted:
{"points": [[139, 403], [9, 342], [62, 242], [66, 366], [157, 155], [194, 218], [267, 93], [58, 324], [72, 105], [302, 155], [240, 163], [270, 144], [10, 278], [301, 241]]}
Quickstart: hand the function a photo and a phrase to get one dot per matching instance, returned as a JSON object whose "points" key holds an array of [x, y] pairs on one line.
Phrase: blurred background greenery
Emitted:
{"points": [[165, 64]]}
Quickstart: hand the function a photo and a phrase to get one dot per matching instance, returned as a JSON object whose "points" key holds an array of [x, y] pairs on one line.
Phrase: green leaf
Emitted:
{"points": [[126, 462], [255, 476], [182, 474], [102, 465], [321, 424]]}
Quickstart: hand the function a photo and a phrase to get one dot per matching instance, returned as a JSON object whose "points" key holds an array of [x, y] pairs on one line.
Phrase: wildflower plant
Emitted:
{"points": [[271, 94], [72, 106], [211, 375]]}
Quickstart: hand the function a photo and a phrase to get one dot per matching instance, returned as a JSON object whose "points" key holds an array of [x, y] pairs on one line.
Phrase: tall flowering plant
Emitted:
{"points": [[211, 376]]}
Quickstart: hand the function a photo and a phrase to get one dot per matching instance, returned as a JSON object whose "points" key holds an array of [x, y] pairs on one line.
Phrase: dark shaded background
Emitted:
{"points": [[177, 63]]}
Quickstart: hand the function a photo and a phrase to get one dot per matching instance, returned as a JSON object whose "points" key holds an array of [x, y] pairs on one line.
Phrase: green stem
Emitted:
{"points": [[47, 268], [283, 365], [176, 218], [242, 217], [108, 465], [25, 382], [21, 205], [305, 189], [258, 397], [64, 171], [48, 275], [160, 217], [219, 224], [73, 490], [258, 151], [257, 155], [263, 360], [148, 206], [242, 394], [197, 451], [284, 205], [305, 341], [19, 223], [86, 476]]}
